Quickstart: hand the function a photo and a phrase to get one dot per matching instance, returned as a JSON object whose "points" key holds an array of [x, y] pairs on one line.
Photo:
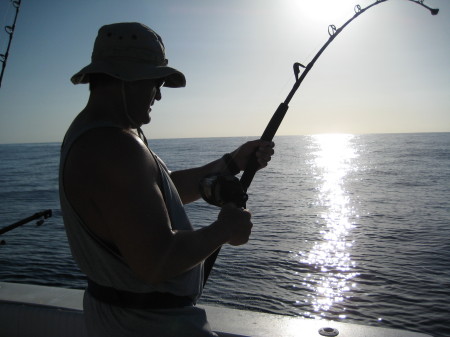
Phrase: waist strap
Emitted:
{"points": [[126, 299]]}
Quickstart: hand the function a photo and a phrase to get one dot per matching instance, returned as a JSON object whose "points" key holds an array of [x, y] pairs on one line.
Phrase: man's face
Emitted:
{"points": [[141, 95]]}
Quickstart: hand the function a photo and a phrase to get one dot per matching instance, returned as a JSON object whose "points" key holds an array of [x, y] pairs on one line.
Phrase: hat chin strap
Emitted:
{"points": [[131, 120]]}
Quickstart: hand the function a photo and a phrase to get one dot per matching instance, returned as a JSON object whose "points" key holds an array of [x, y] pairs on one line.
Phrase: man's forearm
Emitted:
{"points": [[187, 181]]}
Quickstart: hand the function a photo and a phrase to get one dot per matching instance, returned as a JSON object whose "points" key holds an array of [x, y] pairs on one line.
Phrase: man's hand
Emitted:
{"points": [[262, 149], [235, 223]]}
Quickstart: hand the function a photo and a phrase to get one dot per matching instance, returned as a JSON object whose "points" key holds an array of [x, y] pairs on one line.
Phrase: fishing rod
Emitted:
{"points": [[239, 195], [277, 118], [10, 31], [40, 216]]}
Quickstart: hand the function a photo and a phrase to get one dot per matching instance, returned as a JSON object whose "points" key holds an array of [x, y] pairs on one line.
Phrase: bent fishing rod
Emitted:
{"points": [[221, 190], [277, 118]]}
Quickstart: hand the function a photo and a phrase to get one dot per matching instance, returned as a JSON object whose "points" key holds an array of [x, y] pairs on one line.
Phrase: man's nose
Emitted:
{"points": [[158, 94]]}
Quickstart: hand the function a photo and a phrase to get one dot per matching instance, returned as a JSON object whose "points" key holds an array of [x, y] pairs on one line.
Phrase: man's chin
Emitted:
{"points": [[146, 120]]}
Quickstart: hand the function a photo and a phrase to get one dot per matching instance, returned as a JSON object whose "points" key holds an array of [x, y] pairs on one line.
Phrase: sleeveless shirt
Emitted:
{"points": [[105, 266]]}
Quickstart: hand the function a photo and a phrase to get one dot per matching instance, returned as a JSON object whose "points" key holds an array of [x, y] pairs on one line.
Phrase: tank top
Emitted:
{"points": [[101, 262]]}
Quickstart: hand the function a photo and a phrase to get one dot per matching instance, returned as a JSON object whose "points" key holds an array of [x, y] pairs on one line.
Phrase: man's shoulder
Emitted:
{"points": [[110, 146], [104, 135], [111, 140]]}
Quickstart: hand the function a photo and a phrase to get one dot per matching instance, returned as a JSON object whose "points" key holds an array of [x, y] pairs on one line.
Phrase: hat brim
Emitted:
{"points": [[128, 71]]}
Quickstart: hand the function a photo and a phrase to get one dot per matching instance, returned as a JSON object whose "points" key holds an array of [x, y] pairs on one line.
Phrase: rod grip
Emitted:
{"points": [[275, 121], [267, 135]]}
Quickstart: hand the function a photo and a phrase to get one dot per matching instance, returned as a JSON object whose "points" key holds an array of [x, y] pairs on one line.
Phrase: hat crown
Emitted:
{"points": [[130, 51], [130, 41]]}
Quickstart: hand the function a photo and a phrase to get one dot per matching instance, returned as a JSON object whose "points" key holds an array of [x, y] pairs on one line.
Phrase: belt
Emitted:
{"points": [[127, 299]]}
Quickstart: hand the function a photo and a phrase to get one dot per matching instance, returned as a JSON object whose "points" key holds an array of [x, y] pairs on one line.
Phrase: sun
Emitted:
{"points": [[330, 11]]}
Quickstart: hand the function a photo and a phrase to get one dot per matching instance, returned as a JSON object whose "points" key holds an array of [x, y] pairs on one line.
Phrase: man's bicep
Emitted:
{"points": [[133, 207]]}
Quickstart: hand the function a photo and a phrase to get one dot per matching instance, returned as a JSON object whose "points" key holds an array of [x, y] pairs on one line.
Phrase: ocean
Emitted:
{"points": [[351, 228]]}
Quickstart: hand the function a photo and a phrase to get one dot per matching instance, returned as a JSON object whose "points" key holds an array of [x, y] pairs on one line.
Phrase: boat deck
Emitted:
{"points": [[41, 311]]}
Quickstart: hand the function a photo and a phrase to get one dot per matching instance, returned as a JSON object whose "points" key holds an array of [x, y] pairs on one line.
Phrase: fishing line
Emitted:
{"points": [[300, 72]]}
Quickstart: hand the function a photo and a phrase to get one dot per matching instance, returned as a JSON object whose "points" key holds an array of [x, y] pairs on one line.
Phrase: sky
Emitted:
{"points": [[388, 71]]}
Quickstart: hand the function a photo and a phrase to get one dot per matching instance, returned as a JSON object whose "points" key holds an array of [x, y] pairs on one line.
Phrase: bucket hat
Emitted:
{"points": [[130, 51]]}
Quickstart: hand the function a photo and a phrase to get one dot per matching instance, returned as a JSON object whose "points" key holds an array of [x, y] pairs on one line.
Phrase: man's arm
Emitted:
{"points": [[187, 181], [130, 202]]}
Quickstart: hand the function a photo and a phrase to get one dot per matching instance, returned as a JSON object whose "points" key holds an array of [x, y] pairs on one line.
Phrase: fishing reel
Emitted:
{"points": [[218, 190]]}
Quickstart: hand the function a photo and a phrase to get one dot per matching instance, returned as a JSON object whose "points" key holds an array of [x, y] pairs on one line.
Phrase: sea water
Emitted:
{"points": [[352, 228]]}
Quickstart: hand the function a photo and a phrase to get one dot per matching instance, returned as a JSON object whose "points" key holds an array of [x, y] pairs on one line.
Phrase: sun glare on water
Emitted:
{"points": [[329, 257]]}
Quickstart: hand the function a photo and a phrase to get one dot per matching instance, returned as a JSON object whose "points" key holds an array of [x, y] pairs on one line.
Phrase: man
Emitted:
{"points": [[123, 210]]}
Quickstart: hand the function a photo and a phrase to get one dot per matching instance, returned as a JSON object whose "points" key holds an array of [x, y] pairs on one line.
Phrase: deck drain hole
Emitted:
{"points": [[328, 332]]}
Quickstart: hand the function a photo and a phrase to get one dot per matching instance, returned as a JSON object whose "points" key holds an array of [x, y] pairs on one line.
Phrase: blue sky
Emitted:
{"points": [[388, 71]]}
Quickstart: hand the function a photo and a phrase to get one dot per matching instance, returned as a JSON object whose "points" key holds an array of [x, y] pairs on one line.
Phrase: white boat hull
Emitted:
{"points": [[41, 311]]}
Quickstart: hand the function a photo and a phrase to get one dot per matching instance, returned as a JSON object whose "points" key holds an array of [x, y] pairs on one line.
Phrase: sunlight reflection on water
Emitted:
{"points": [[330, 254]]}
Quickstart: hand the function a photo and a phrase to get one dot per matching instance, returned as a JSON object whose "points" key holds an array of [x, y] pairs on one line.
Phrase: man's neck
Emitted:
{"points": [[107, 104]]}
